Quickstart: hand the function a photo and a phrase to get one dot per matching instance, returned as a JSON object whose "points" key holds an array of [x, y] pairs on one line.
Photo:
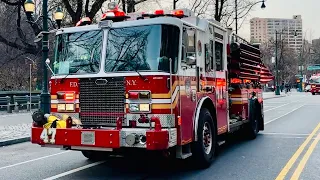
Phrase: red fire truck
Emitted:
{"points": [[166, 82], [314, 82]]}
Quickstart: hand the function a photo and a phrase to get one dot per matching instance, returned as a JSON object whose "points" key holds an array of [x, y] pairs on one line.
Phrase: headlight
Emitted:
{"points": [[70, 107], [139, 107], [61, 107], [66, 107]]}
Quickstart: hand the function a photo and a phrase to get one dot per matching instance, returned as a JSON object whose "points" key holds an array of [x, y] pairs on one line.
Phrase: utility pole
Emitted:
{"points": [[45, 96]]}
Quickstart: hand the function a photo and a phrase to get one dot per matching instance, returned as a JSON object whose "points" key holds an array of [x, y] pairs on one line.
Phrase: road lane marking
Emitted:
{"points": [[280, 106], [286, 134], [284, 114], [75, 170], [304, 159], [24, 162], [276, 107], [295, 156]]}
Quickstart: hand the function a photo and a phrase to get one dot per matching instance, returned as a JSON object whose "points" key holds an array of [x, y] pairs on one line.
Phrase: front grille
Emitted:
{"points": [[102, 103]]}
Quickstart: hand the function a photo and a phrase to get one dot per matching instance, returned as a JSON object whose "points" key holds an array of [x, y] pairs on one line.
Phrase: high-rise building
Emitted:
{"points": [[263, 30]]}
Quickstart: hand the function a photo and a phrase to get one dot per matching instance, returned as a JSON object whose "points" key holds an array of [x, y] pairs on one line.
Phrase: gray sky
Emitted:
{"points": [[308, 9]]}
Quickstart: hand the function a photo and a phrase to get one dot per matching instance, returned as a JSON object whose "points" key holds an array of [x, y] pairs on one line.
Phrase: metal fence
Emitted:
{"points": [[14, 101]]}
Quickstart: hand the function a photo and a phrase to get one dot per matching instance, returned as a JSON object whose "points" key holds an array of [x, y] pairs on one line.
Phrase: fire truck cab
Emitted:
{"points": [[166, 82]]}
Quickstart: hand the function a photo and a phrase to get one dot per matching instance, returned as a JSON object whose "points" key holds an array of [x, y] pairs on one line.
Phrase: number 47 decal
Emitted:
{"points": [[46, 133]]}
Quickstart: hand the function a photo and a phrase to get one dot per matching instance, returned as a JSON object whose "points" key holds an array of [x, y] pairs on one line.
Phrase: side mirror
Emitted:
{"points": [[191, 60], [48, 66]]}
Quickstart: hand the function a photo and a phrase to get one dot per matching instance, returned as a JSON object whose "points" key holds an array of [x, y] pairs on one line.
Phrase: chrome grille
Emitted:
{"points": [[102, 103]]}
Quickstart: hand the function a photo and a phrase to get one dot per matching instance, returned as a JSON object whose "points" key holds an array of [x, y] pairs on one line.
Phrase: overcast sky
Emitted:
{"points": [[308, 9]]}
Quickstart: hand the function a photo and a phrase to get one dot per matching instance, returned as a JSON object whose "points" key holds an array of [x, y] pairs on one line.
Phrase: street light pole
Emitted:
{"points": [[236, 10], [45, 96], [277, 91], [29, 7], [236, 18]]}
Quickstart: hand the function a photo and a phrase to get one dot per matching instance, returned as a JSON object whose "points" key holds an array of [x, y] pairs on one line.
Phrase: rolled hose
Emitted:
{"points": [[51, 121]]}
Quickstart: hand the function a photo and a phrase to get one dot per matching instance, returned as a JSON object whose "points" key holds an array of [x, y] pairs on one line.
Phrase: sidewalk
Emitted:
{"points": [[271, 95], [15, 128]]}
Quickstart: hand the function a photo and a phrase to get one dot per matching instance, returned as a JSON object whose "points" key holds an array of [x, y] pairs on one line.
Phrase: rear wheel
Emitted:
{"points": [[203, 150], [313, 93], [252, 128]]}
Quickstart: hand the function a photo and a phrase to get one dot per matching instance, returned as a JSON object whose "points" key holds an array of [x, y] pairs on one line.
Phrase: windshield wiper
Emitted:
{"points": [[143, 77]]}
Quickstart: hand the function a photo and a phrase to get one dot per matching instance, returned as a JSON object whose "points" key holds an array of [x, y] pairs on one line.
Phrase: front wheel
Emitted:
{"points": [[203, 150], [313, 93]]}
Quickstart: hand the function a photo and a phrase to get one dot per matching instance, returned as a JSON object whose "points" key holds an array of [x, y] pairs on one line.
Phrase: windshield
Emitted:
{"points": [[143, 48], [315, 80], [78, 53]]}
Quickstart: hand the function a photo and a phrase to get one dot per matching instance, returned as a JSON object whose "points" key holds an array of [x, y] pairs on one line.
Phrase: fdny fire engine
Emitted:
{"points": [[166, 82], [315, 83]]}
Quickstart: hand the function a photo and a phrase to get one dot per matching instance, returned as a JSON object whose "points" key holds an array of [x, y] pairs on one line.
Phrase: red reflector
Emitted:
{"points": [[133, 95], [159, 12]]}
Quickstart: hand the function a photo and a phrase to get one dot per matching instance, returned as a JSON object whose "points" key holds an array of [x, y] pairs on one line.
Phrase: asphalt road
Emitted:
{"points": [[289, 121]]}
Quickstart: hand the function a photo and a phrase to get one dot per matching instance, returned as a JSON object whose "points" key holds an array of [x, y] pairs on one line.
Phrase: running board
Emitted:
{"points": [[237, 125]]}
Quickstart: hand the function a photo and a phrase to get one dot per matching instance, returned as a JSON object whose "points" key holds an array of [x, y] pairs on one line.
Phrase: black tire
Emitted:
{"points": [[202, 158], [313, 93], [252, 128], [95, 155]]}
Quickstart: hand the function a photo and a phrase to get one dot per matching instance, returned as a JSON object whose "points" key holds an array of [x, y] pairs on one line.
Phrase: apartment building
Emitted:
{"points": [[263, 30]]}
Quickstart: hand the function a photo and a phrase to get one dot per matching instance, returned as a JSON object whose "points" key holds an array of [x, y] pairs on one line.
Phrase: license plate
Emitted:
{"points": [[87, 138]]}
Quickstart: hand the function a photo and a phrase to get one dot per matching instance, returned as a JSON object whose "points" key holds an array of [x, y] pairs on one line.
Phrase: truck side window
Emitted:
{"points": [[219, 56], [212, 58], [188, 44], [207, 57]]}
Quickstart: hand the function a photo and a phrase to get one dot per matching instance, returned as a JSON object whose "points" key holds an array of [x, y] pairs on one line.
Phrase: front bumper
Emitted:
{"points": [[73, 138], [314, 90]]}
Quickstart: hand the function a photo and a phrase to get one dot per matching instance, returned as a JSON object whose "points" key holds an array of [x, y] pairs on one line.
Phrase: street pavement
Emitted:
{"points": [[278, 151]]}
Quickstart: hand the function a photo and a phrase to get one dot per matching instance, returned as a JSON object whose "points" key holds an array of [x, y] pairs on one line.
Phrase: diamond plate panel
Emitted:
{"points": [[172, 137], [59, 115], [166, 120]]}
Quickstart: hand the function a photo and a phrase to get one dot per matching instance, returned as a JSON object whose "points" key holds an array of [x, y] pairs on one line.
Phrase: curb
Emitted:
{"points": [[14, 141]]}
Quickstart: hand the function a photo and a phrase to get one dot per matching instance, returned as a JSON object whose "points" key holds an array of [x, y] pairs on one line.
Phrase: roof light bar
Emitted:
{"points": [[114, 13]]}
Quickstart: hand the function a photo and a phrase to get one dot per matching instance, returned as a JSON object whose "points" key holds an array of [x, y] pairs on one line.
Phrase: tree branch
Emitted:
{"points": [[28, 49], [10, 3]]}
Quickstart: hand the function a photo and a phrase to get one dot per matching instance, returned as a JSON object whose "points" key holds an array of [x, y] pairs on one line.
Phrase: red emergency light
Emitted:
{"points": [[114, 13], [161, 12], [84, 21], [179, 13]]}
